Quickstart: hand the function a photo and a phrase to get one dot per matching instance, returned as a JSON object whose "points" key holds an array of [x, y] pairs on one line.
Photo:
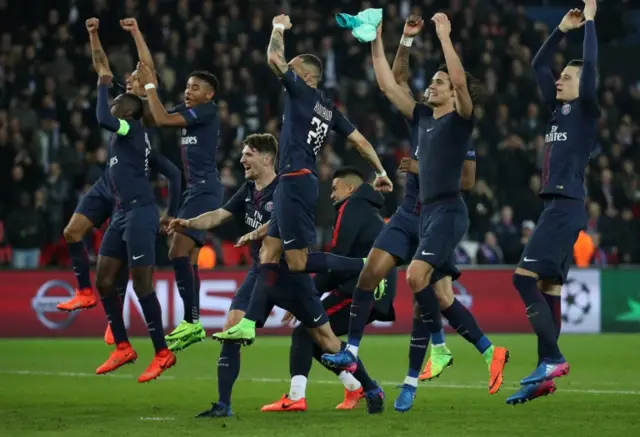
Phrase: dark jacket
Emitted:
{"points": [[357, 225]]}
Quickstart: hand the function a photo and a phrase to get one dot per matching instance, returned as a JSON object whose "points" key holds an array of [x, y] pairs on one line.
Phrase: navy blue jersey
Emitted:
{"points": [[442, 148], [255, 206], [129, 152], [308, 116], [571, 134], [411, 201], [199, 144]]}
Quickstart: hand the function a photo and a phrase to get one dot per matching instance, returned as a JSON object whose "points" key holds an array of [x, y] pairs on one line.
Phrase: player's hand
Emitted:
{"points": [[177, 225], [284, 20], [408, 165], [288, 318], [92, 25], [572, 20], [146, 74], [129, 24], [248, 238], [443, 25], [413, 26], [164, 224], [383, 184], [590, 9]]}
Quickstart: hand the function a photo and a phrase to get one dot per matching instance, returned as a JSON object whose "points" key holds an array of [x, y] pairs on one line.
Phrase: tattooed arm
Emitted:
{"points": [[275, 52], [400, 68]]}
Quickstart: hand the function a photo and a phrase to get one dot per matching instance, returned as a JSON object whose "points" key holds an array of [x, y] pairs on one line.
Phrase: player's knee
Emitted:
{"points": [[72, 234], [142, 282], [444, 293], [181, 246], [296, 263], [371, 276], [418, 277], [105, 284], [269, 254]]}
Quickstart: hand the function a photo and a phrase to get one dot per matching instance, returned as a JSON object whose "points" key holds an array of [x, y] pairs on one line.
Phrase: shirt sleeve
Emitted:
{"points": [[294, 84], [471, 153], [342, 125], [201, 114], [235, 205]]}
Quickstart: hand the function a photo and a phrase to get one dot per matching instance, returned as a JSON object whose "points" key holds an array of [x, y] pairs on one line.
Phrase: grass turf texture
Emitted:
{"points": [[48, 388]]}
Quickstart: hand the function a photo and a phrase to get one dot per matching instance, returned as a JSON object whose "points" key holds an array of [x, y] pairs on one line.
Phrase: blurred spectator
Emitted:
{"points": [[26, 232], [489, 252]]}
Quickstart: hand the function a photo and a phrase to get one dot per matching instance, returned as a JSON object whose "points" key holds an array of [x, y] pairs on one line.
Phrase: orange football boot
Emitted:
{"points": [[286, 404], [83, 300], [351, 399], [163, 360], [496, 368], [108, 336], [124, 354]]}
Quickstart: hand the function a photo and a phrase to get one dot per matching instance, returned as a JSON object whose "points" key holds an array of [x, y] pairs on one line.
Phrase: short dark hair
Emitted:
{"points": [[262, 143], [312, 62], [579, 63], [137, 107], [474, 86], [206, 76], [343, 172]]}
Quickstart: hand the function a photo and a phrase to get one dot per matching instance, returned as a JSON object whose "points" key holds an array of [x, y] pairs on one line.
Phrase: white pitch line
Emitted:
{"points": [[157, 418], [316, 381]]}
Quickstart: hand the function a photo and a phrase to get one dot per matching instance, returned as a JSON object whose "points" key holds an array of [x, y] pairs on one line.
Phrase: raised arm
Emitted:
{"points": [[589, 74], [542, 61], [457, 76], [107, 120], [400, 67], [160, 115], [144, 55], [386, 82], [275, 51]]}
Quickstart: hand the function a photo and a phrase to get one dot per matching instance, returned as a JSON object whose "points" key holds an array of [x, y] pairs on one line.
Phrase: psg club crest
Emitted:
{"points": [[566, 109], [269, 207]]}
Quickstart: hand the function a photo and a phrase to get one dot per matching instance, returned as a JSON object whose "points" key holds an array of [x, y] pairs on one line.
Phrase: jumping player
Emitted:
{"points": [[252, 203], [399, 241], [200, 124], [132, 231], [442, 129], [570, 140], [308, 116], [96, 206], [358, 223]]}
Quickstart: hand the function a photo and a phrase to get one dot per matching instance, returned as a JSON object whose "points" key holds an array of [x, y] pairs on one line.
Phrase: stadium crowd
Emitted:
{"points": [[51, 149]]}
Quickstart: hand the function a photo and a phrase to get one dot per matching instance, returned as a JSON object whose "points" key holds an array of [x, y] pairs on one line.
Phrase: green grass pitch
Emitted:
{"points": [[48, 388]]}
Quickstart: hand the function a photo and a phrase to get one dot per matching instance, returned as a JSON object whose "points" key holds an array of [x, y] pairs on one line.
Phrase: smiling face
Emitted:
{"points": [[255, 163], [197, 91], [440, 91]]}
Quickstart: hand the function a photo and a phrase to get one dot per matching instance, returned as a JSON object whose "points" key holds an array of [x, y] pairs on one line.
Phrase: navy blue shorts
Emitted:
{"points": [[442, 227], [400, 236], [549, 251], [131, 236], [97, 203], [196, 201], [296, 293], [242, 297], [294, 217]]}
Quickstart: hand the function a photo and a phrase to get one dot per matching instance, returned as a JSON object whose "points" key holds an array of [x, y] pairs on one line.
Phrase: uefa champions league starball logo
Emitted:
{"points": [[576, 301]]}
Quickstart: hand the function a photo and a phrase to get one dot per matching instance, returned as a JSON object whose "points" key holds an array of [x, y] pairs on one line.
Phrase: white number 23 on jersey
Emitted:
{"points": [[317, 134]]}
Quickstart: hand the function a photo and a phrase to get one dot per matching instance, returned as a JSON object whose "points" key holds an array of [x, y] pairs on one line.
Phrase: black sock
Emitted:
{"points": [[417, 347], [228, 371], [461, 319], [429, 309], [539, 316], [361, 306], [301, 352], [361, 374], [153, 316], [122, 281], [267, 278], [555, 305], [80, 262], [325, 262], [196, 288], [113, 309], [186, 286]]}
